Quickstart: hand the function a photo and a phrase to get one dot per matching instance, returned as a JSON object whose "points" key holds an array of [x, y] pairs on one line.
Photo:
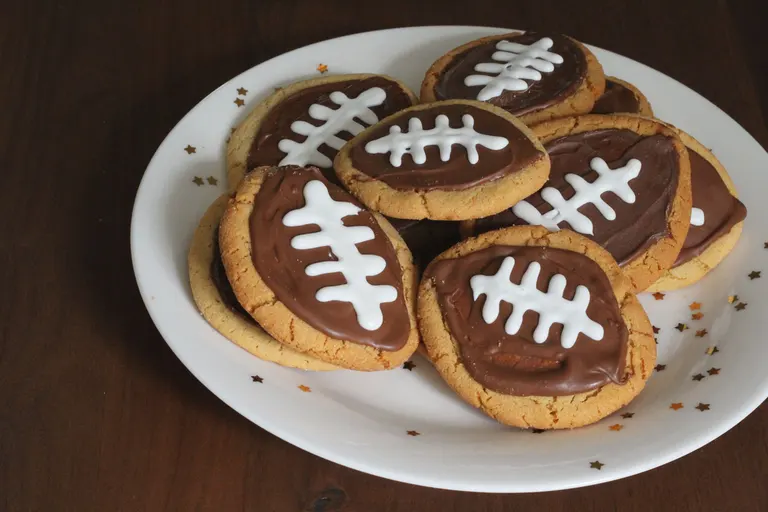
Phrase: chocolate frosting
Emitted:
{"points": [[220, 281], [516, 364], [554, 86], [283, 268], [426, 238], [616, 99], [276, 126], [722, 211], [637, 225], [457, 173]]}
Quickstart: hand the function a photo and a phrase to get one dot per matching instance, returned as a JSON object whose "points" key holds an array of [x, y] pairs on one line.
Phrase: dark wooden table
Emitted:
{"points": [[96, 413]]}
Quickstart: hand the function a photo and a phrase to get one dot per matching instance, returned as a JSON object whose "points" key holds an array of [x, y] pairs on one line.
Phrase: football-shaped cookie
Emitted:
{"points": [[448, 160], [306, 123], [622, 97], [532, 75], [623, 181], [318, 272]]}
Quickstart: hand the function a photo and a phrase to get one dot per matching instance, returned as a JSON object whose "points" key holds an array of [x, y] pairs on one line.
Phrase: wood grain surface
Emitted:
{"points": [[96, 413]]}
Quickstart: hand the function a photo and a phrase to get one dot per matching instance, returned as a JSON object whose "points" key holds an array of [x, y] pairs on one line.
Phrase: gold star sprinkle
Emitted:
{"points": [[616, 427], [698, 377], [256, 378], [714, 371], [676, 406], [741, 306], [211, 180], [305, 389], [681, 327], [190, 149], [658, 296], [732, 299], [701, 333], [755, 274], [694, 306], [413, 433], [596, 465], [697, 316], [702, 407], [197, 180], [239, 102], [322, 68], [242, 91], [409, 365], [660, 367], [627, 415], [712, 351]]}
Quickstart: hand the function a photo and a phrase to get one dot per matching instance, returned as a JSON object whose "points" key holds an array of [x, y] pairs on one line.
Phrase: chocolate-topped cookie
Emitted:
{"points": [[622, 181], [448, 160], [318, 272], [622, 97], [532, 75], [717, 219], [217, 302], [538, 329], [307, 122]]}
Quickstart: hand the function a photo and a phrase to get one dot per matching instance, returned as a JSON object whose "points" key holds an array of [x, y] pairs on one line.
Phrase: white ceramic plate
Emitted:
{"points": [[362, 420]]}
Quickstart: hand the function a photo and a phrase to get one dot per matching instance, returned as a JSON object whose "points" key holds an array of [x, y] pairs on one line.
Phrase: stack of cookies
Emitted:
{"points": [[505, 219]]}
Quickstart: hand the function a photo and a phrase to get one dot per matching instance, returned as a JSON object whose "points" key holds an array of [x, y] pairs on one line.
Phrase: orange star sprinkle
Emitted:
{"points": [[239, 102], [676, 406], [701, 333], [658, 296], [616, 427], [694, 306], [322, 68], [305, 389], [714, 371], [697, 316]]}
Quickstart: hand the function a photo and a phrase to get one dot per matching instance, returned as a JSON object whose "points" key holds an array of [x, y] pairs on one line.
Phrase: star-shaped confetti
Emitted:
{"points": [[322, 68], [537, 430], [676, 406], [197, 180], [616, 427], [732, 299], [239, 102], [190, 149], [658, 296], [741, 306], [701, 333], [655, 329], [305, 389], [697, 316], [409, 365], [413, 433], [698, 377], [714, 371], [702, 407], [694, 306], [242, 91], [755, 274], [660, 367], [681, 327], [712, 351], [596, 465], [256, 378], [627, 415], [211, 180]]}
